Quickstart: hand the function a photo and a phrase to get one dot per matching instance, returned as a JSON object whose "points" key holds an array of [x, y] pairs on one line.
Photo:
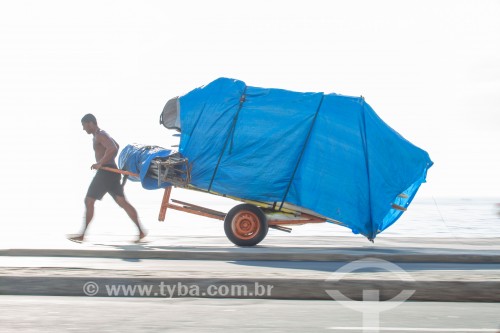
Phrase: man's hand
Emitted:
{"points": [[96, 166]]}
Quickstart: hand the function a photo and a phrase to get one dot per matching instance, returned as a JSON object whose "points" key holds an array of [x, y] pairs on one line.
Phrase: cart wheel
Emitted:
{"points": [[245, 225]]}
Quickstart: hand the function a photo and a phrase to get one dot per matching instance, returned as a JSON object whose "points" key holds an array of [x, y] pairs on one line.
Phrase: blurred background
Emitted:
{"points": [[430, 69]]}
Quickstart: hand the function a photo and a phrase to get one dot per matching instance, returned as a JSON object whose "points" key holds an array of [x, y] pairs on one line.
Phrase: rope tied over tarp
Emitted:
{"points": [[230, 136]]}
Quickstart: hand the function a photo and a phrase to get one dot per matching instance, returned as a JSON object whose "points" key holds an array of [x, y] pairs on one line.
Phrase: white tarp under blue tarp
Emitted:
{"points": [[327, 153]]}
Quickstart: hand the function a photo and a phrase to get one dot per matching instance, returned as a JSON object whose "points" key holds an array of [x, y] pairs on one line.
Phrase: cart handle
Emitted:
{"points": [[123, 172]]}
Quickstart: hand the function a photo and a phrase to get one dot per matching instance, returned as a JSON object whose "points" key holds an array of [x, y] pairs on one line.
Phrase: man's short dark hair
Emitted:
{"points": [[89, 118]]}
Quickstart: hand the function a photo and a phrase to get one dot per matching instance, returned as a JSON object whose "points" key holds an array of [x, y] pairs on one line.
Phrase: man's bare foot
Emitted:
{"points": [[76, 238], [141, 237]]}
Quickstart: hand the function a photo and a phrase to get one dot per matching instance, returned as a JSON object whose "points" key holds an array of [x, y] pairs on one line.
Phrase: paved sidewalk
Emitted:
{"points": [[318, 248], [437, 269]]}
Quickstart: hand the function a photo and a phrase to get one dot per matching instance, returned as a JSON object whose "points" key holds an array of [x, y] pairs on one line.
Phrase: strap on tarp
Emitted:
{"points": [[365, 148], [302, 151], [230, 135]]}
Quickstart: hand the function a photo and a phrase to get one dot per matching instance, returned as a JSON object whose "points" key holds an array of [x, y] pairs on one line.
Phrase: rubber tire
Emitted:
{"points": [[259, 235]]}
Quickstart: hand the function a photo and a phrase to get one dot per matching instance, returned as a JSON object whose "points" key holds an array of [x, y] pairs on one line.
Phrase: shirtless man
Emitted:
{"points": [[104, 181]]}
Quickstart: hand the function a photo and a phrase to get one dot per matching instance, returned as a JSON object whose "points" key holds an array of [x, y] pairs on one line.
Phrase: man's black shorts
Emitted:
{"points": [[105, 182]]}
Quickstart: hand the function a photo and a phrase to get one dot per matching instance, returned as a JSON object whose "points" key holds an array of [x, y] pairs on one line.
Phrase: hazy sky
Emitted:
{"points": [[430, 69]]}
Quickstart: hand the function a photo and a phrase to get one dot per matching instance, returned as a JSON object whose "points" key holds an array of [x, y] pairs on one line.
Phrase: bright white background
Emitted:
{"points": [[430, 69]]}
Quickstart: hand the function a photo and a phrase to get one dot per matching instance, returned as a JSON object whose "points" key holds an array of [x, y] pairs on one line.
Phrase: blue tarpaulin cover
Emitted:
{"points": [[328, 153], [137, 158]]}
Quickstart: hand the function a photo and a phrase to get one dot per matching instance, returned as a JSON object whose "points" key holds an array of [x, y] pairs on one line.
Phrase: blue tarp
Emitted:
{"points": [[137, 158], [325, 152]]}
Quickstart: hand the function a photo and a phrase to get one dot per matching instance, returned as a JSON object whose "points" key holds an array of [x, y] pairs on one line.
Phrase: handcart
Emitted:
{"points": [[290, 157]]}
